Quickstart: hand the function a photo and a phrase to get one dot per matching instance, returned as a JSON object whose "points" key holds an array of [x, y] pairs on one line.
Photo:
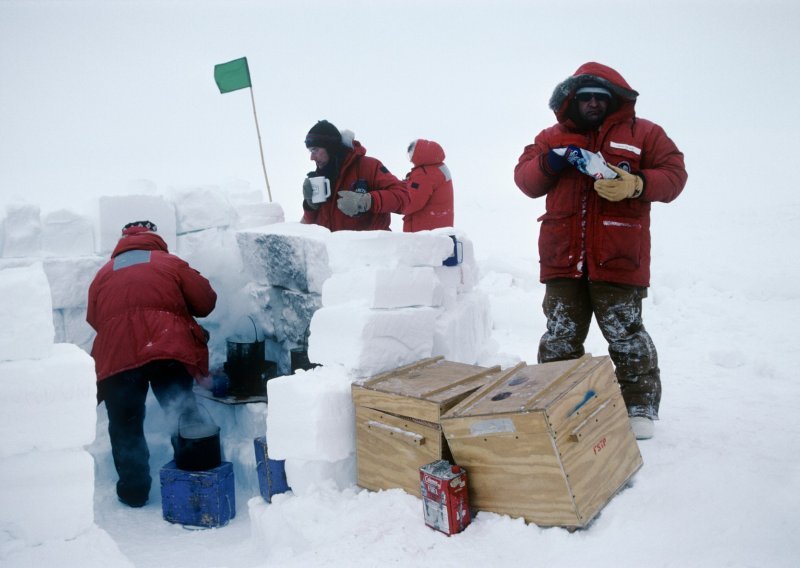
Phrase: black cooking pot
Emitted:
{"points": [[196, 444], [246, 366]]}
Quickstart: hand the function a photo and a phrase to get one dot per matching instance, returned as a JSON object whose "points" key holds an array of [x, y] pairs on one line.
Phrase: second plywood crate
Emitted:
{"points": [[398, 419], [550, 443]]}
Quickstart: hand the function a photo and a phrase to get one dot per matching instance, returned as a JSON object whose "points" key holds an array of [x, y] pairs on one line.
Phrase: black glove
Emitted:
{"points": [[557, 162], [308, 191]]}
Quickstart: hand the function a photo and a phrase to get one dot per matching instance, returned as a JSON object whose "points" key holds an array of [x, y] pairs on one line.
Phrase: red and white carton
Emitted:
{"points": [[445, 500]]}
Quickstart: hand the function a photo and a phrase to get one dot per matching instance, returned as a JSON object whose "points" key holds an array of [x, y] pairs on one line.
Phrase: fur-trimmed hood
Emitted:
{"points": [[596, 73]]}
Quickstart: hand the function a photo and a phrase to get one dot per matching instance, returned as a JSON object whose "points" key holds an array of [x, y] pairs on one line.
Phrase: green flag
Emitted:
{"points": [[232, 76]]}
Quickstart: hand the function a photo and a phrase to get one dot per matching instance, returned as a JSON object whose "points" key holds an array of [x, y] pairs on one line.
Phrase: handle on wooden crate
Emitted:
{"points": [[591, 423], [410, 438]]}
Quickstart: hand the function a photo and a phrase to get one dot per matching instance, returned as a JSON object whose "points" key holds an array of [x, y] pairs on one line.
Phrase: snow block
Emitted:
{"points": [[464, 275], [25, 300], [212, 252], [271, 473], [22, 231], [384, 288], [463, 331], [47, 495], [48, 404], [93, 548], [306, 475], [258, 215], [198, 498], [119, 210], [72, 327], [311, 416], [198, 208], [286, 255], [240, 194], [368, 342], [384, 249], [70, 278], [65, 233]]}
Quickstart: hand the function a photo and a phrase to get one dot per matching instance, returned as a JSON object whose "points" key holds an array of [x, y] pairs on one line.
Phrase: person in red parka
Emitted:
{"points": [[430, 187], [142, 303], [594, 240], [363, 191]]}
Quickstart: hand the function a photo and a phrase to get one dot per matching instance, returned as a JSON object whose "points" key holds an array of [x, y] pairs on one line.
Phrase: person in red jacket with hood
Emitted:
{"points": [[430, 187], [142, 303], [594, 240], [363, 191]]}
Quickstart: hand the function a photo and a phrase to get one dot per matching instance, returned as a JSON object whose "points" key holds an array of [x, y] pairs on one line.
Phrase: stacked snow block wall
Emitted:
{"points": [[386, 301], [360, 302], [47, 416], [197, 223], [393, 302], [64, 243]]}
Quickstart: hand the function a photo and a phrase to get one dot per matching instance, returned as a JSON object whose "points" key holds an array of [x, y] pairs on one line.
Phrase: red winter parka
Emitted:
{"points": [[361, 173], [142, 304], [581, 232], [431, 189]]}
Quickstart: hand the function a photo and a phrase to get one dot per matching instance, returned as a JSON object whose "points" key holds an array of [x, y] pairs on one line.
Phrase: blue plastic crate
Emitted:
{"points": [[198, 498], [271, 473]]}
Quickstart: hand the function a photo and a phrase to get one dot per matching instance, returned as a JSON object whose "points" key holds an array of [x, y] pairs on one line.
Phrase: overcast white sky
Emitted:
{"points": [[96, 94]]}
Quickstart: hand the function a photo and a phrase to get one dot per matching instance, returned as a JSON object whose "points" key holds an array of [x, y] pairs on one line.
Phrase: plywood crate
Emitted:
{"points": [[397, 419], [551, 443]]}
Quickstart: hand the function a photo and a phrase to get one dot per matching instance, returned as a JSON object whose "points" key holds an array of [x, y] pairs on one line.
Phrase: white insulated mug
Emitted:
{"points": [[320, 189]]}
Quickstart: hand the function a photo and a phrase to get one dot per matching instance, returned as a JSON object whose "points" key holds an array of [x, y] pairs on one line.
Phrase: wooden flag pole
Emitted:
{"points": [[260, 147]]}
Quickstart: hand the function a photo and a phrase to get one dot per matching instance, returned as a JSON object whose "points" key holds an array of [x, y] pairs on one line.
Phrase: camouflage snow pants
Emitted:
{"points": [[569, 305]]}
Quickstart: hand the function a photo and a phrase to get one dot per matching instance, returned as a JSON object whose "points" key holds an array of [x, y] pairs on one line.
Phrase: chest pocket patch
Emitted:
{"points": [[628, 147], [360, 186]]}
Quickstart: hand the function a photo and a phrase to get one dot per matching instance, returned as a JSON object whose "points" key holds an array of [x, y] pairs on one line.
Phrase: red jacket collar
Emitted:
{"points": [[143, 240]]}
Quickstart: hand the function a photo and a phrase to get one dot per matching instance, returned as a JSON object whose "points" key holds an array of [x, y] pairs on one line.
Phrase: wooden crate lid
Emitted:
{"points": [[526, 388], [423, 390], [433, 379]]}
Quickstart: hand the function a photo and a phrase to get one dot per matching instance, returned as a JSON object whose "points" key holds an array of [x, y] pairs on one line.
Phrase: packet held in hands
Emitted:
{"points": [[587, 162]]}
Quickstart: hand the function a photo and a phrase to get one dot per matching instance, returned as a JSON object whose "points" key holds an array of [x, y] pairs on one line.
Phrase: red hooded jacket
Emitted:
{"points": [[431, 189], [142, 304], [582, 232], [361, 173]]}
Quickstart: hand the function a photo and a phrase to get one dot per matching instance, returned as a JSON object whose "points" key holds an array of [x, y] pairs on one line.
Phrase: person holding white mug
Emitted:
{"points": [[348, 190]]}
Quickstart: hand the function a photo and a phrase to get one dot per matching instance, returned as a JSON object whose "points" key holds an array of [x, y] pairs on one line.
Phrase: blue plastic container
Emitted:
{"points": [[458, 253], [271, 473], [198, 498]]}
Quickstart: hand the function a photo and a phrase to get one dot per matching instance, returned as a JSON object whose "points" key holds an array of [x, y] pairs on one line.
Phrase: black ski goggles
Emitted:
{"points": [[599, 97]]}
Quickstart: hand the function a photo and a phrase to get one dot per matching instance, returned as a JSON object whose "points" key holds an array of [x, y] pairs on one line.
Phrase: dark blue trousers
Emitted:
{"points": [[125, 394]]}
